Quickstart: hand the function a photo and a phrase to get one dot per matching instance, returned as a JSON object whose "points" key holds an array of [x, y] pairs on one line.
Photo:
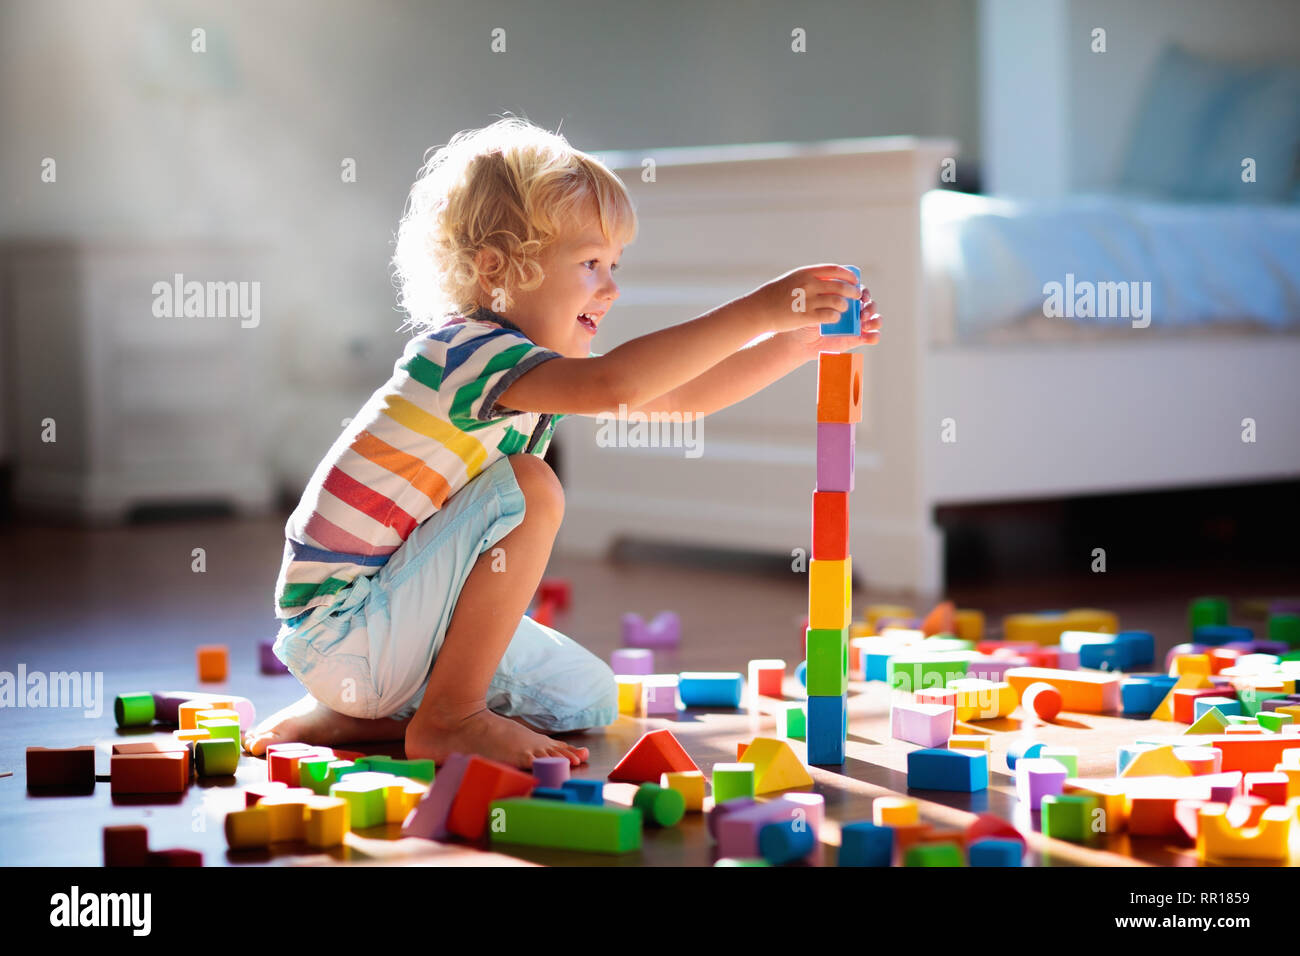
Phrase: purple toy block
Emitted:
{"points": [[664, 631], [721, 810], [1284, 606], [926, 725], [632, 660], [269, 662], [166, 703], [1038, 777], [1225, 786], [1270, 647], [835, 451], [659, 694], [737, 832], [429, 818], [993, 668], [550, 771]]}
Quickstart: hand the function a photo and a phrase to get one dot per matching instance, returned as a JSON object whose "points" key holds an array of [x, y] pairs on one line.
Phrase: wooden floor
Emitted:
{"points": [[126, 603]]}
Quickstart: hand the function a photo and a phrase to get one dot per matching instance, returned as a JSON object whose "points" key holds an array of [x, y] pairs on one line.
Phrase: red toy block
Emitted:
{"points": [[66, 768], [1267, 786], [282, 761], [214, 662], [987, 826], [484, 781], [544, 614], [126, 845], [149, 773], [1254, 754], [151, 747], [839, 387], [557, 591], [1186, 697], [655, 753], [176, 857], [830, 525], [1154, 816]]}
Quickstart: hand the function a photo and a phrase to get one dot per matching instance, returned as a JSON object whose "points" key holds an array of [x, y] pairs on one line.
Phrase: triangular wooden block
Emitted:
{"points": [[941, 620], [1210, 722], [1160, 762], [1166, 709], [655, 753], [775, 765]]}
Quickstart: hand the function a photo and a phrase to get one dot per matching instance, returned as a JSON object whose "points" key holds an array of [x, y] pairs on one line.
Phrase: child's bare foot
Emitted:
{"points": [[505, 739], [310, 722]]}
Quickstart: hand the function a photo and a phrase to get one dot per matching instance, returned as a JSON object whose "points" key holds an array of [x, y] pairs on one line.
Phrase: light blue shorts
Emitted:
{"points": [[368, 653]]}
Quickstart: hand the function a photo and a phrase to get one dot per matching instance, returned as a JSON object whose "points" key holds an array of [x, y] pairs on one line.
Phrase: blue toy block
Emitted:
{"points": [[992, 852], [1125, 753], [828, 726], [587, 791], [875, 665], [1226, 708], [1103, 657], [850, 321], [710, 690], [1216, 634], [785, 841], [555, 793], [865, 844], [1140, 694], [964, 771], [1141, 648], [1022, 750], [801, 674]]}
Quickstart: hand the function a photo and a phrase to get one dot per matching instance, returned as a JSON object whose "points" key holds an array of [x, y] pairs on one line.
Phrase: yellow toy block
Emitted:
{"points": [[895, 812], [969, 624], [775, 765], [287, 811], [830, 593], [1158, 762], [1293, 712], [216, 714], [1292, 777], [191, 736], [860, 629], [1165, 711], [1210, 722], [248, 828], [629, 694], [325, 821], [1112, 799], [875, 612], [1216, 839], [1047, 628], [400, 798], [969, 742], [1191, 664], [979, 699], [690, 784]]}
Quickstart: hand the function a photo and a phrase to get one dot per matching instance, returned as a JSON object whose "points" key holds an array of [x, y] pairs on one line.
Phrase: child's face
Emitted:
{"points": [[578, 271]]}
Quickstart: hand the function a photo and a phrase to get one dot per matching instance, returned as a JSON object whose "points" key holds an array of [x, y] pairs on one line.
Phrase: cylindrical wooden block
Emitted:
{"points": [[659, 806], [216, 758], [133, 710]]}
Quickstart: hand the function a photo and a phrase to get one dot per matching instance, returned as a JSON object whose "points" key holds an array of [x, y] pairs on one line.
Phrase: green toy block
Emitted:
{"points": [[732, 861], [367, 805], [1210, 722], [1285, 628], [731, 780], [1241, 719], [134, 709], [218, 757], [414, 769], [792, 722], [914, 670], [1069, 816], [1067, 756], [1272, 720], [317, 774], [221, 728], [1206, 610], [562, 825], [659, 806], [1252, 700], [828, 661], [934, 854]]}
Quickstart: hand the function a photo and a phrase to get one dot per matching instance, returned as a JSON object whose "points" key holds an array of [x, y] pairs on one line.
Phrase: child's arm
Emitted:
{"points": [[637, 372]]}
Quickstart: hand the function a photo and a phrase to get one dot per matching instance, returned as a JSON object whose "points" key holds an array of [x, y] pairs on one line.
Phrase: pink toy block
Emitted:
{"points": [[835, 451], [664, 631], [943, 696], [551, 771], [429, 818], [659, 695], [737, 832], [632, 660], [814, 808], [926, 725], [1037, 778]]}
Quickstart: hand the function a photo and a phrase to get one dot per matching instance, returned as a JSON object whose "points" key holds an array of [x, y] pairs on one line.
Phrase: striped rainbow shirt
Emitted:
{"points": [[433, 427]]}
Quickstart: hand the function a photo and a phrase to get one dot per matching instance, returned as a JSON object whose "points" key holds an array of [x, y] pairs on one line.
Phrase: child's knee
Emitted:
{"points": [[543, 493]]}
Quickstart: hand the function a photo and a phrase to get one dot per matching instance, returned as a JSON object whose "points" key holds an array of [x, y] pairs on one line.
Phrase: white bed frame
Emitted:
{"points": [[1032, 420]]}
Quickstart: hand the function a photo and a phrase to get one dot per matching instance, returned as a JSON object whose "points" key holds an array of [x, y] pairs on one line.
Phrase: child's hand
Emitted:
{"points": [[809, 341], [806, 297]]}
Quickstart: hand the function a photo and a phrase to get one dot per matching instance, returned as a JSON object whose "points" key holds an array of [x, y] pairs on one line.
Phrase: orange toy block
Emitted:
{"points": [[327, 822], [1153, 816], [1254, 753], [484, 781], [656, 753], [1217, 839], [830, 525], [149, 773], [214, 662], [839, 387], [286, 813], [1085, 692], [248, 828], [941, 620]]}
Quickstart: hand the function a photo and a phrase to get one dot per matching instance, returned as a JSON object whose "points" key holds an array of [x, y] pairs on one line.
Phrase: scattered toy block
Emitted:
{"points": [[767, 676], [942, 619], [791, 721], [149, 773], [551, 771], [657, 752], [1200, 760], [214, 662], [1068, 817], [690, 784], [366, 794], [175, 857], [737, 831], [256, 791], [556, 590], [554, 793], [835, 456], [1042, 700], [282, 761], [664, 631], [126, 845], [866, 844], [659, 806], [959, 770], [1273, 721], [1270, 786], [629, 694], [216, 758], [248, 828], [1023, 749], [988, 826], [828, 661], [286, 812], [1210, 722], [776, 767], [566, 826], [268, 663], [915, 668], [982, 699], [944, 696], [588, 791], [429, 818], [710, 688], [325, 822], [1067, 757], [830, 588], [1226, 706], [895, 812], [969, 742], [934, 854], [1037, 778], [69, 768], [839, 387], [658, 695], [632, 660], [135, 709], [732, 780], [1218, 840], [993, 852], [1046, 627], [1084, 692], [827, 729], [1258, 753], [785, 841], [926, 725], [830, 525], [150, 747], [224, 729], [483, 782], [1155, 762]]}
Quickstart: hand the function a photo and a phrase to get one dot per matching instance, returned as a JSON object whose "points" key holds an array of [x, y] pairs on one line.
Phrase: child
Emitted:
{"points": [[423, 534]]}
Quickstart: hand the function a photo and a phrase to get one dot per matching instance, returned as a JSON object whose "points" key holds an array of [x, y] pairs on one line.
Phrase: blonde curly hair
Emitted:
{"points": [[509, 190]]}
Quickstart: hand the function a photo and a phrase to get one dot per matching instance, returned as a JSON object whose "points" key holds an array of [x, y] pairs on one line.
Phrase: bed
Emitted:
{"points": [[973, 395]]}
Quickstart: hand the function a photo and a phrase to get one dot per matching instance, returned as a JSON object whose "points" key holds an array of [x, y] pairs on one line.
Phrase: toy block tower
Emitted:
{"points": [[830, 574]]}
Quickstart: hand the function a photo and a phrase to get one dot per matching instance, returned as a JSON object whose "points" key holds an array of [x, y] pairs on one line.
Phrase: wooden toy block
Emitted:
{"points": [[1084, 692], [830, 584], [1155, 762], [960, 770], [792, 721], [830, 525], [214, 662], [982, 699], [1067, 757], [664, 631], [944, 696], [149, 773], [1273, 721], [589, 791], [710, 688], [659, 806], [175, 857], [166, 704], [564, 826], [767, 676], [732, 780], [248, 828], [225, 729], [1142, 693], [188, 738], [70, 768], [866, 844], [135, 709], [828, 661], [835, 456], [737, 831], [216, 758], [839, 387], [151, 747], [1023, 749], [126, 845], [256, 791], [690, 784], [656, 753], [993, 852], [895, 812], [1218, 840], [926, 725], [632, 660], [429, 818], [367, 796], [1270, 786], [325, 822], [968, 624], [629, 694], [988, 826], [912, 669], [658, 695], [1037, 778], [554, 793], [556, 590], [1257, 753], [282, 761], [187, 713], [404, 798], [827, 729], [483, 782], [551, 771], [1046, 627], [1192, 664], [286, 812], [1111, 796], [1180, 700], [1200, 760], [267, 662], [216, 713], [317, 772], [1203, 611], [934, 854], [785, 841], [873, 613], [1068, 817], [1226, 706], [942, 619], [969, 742], [1042, 700], [775, 766]]}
